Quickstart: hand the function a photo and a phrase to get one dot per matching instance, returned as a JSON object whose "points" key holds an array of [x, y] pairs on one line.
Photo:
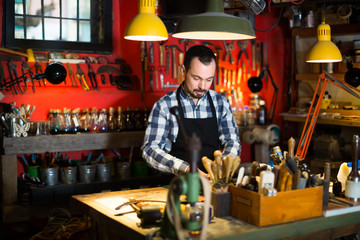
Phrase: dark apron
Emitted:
{"points": [[205, 128]]}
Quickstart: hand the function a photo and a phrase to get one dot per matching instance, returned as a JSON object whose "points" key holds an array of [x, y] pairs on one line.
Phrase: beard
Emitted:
{"points": [[198, 93]]}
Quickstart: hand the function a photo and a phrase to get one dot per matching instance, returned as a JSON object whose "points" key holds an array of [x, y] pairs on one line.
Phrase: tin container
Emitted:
{"points": [[87, 173], [68, 175], [103, 172], [50, 176]]}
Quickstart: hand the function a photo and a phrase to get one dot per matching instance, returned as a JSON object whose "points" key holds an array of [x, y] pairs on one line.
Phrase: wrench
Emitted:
{"points": [[14, 78]]}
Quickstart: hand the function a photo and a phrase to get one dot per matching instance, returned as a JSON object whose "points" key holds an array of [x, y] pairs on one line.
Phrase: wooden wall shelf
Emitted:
{"points": [[71, 142]]}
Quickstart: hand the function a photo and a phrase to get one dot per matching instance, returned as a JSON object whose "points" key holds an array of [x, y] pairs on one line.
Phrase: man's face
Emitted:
{"points": [[199, 77]]}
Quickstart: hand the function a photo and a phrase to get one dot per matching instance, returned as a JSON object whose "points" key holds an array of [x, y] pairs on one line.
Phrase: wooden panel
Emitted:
{"points": [[59, 143], [8, 179]]}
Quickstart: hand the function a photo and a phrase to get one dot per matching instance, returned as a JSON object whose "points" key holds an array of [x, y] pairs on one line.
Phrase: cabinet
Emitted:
{"points": [[10, 147]]}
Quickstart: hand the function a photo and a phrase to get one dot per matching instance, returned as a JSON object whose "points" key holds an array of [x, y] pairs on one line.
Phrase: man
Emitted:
{"points": [[202, 111]]}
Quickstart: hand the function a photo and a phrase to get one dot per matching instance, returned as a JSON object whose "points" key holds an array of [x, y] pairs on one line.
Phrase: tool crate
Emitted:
{"points": [[261, 210]]}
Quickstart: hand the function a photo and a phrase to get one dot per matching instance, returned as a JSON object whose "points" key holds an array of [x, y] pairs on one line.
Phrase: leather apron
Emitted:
{"points": [[205, 128]]}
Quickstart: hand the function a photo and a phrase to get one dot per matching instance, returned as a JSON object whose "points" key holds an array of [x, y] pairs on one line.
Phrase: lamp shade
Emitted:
{"points": [[214, 24], [324, 50], [146, 26]]}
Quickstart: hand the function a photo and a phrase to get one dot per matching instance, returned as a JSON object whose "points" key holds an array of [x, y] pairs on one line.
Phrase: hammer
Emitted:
{"points": [[174, 65], [186, 43]]}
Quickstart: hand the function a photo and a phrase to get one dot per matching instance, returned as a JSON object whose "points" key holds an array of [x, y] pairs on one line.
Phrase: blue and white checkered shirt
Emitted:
{"points": [[163, 129]]}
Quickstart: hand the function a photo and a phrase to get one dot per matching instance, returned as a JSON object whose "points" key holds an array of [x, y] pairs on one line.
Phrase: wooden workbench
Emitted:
{"points": [[99, 208]]}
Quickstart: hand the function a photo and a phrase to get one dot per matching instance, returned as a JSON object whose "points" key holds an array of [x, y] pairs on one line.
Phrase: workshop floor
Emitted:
{"points": [[29, 230]]}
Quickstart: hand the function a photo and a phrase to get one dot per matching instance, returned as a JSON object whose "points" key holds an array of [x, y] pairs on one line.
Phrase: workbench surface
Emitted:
{"points": [[101, 208]]}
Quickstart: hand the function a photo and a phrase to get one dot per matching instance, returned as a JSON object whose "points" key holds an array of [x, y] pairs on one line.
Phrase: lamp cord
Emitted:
{"points": [[275, 24]]}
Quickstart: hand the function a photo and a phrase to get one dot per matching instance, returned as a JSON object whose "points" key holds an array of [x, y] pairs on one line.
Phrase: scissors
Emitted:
{"points": [[81, 76], [72, 76]]}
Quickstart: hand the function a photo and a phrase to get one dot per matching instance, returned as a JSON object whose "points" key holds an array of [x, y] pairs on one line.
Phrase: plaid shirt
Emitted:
{"points": [[163, 129]]}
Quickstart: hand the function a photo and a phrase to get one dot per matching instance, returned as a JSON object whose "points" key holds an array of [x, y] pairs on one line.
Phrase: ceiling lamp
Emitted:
{"points": [[146, 26], [324, 50], [214, 24]]}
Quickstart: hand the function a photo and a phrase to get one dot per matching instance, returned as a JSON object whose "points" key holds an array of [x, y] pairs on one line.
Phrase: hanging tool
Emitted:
{"points": [[186, 43], [151, 70], [174, 65], [26, 67], [161, 67], [72, 76], [218, 49], [81, 76], [39, 70], [110, 70], [92, 77], [243, 45], [228, 48], [167, 71], [151, 52], [143, 59], [14, 77]]}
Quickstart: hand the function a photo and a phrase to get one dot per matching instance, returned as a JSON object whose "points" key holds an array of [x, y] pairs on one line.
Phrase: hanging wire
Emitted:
{"points": [[297, 3], [275, 24]]}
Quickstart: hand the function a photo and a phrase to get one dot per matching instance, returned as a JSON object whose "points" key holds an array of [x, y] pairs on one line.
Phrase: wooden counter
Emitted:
{"points": [[125, 227]]}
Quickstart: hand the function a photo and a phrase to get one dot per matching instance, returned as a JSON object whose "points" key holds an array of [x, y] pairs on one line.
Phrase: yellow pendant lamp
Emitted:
{"points": [[146, 26], [324, 50]]}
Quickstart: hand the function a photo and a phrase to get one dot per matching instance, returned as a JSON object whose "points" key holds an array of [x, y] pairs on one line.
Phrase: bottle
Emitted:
{"points": [[102, 121], [146, 113], [54, 124], [250, 117], [85, 120], [138, 119], [112, 120], [244, 116], [129, 120], [68, 126], [121, 119], [94, 127], [75, 119], [310, 19], [352, 186], [262, 113]]}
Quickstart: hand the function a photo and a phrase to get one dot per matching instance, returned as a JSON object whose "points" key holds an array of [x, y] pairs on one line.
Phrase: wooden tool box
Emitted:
{"points": [[261, 210]]}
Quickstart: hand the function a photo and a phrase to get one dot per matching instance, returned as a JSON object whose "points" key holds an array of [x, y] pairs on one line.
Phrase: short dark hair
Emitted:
{"points": [[205, 55]]}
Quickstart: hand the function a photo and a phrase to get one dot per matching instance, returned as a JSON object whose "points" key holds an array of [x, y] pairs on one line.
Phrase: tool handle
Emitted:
{"points": [[291, 147], [207, 164], [13, 52], [161, 54], [174, 73]]}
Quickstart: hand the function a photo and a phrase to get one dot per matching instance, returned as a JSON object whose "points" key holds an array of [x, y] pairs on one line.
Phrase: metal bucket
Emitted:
{"points": [[124, 170], [103, 172], [87, 173], [50, 176], [68, 175]]}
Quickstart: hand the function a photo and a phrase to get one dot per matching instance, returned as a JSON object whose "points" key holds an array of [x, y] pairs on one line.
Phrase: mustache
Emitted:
{"points": [[199, 90]]}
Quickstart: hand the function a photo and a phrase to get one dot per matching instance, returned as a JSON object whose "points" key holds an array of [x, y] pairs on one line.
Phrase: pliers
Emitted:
{"points": [[39, 70], [14, 78], [81, 76], [228, 48], [92, 77], [242, 44], [25, 67], [72, 76]]}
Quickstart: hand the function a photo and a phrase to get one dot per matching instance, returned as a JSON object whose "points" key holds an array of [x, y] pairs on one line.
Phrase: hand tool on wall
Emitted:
{"points": [[180, 73], [110, 70], [151, 52], [173, 52], [38, 69], [26, 69], [14, 77], [71, 76], [207, 43], [253, 55], [29, 53], [186, 43], [92, 77], [143, 59], [218, 67], [81, 76], [228, 48], [167, 71], [151, 70], [243, 45], [161, 67]]}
